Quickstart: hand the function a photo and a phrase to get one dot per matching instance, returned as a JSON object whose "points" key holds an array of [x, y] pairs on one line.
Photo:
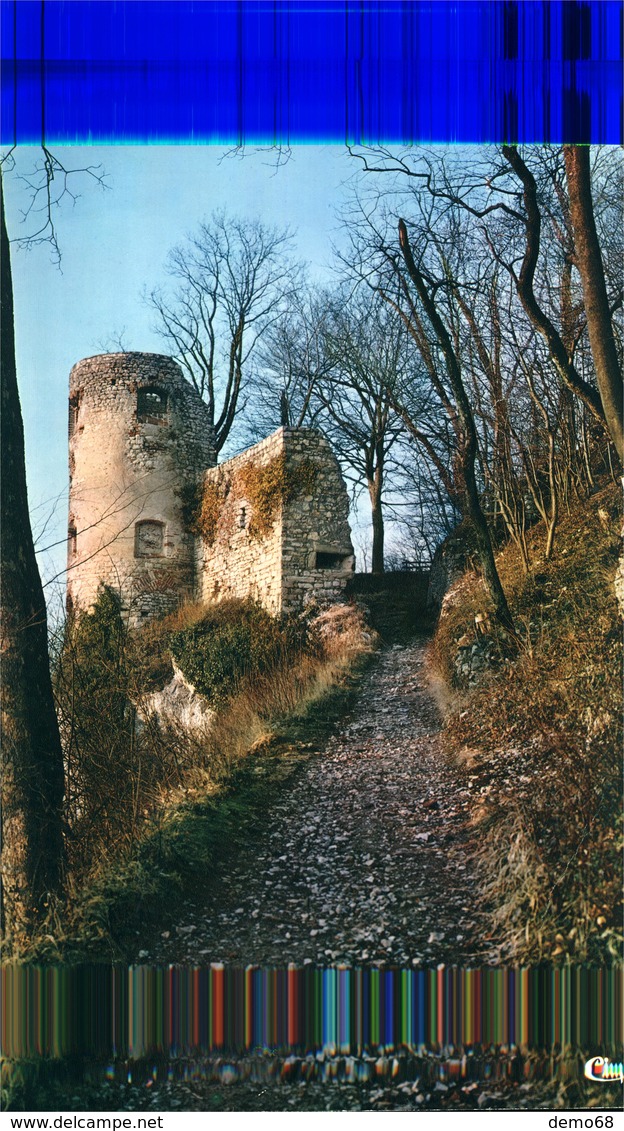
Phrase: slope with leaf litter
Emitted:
{"points": [[539, 728]]}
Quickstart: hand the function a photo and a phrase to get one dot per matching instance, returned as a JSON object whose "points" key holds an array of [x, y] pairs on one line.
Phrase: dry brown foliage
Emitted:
{"points": [[124, 773], [542, 736], [344, 631]]}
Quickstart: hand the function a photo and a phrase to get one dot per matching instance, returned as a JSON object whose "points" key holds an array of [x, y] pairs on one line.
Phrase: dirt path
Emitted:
{"points": [[363, 858]]}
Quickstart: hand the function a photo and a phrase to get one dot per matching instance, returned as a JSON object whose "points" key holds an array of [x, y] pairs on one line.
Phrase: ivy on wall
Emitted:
{"points": [[211, 506], [266, 487]]}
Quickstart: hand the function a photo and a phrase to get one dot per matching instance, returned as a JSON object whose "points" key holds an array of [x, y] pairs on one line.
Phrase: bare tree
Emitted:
{"points": [[420, 287], [32, 782], [290, 361], [422, 511], [232, 281], [524, 279], [588, 261], [523, 206], [365, 352], [468, 448], [506, 284]]}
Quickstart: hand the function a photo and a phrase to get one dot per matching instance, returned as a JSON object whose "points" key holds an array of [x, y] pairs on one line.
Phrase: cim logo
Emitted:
{"points": [[603, 1071]]}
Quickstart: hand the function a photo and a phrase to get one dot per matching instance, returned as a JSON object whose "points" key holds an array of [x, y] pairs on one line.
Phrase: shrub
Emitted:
{"points": [[234, 643], [96, 720], [116, 773], [129, 786]]}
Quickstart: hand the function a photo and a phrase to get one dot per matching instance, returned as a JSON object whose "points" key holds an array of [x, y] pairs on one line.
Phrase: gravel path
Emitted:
{"points": [[363, 858]]}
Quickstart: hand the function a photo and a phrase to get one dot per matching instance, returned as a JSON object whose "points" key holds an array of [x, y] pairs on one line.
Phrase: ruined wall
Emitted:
{"points": [[232, 561], [448, 565], [305, 553], [274, 524], [137, 433], [317, 554]]}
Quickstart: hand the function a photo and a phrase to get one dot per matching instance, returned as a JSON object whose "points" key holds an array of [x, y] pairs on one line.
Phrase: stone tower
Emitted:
{"points": [[138, 434]]}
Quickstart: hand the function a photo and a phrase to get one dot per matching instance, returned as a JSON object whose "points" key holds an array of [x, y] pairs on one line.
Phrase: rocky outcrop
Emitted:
{"points": [[178, 705], [476, 656]]}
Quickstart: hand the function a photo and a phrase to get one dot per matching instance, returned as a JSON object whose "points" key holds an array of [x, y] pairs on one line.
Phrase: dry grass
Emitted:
{"points": [[344, 631], [254, 717], [339, 636], [145, 813], [542, 735]]}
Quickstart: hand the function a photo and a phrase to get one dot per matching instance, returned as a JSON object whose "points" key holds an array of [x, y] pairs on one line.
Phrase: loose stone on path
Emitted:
{"points": [[364, 858]]}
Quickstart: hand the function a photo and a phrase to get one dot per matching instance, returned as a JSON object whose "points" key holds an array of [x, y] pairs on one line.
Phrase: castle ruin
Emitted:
{"points": [[154, 518]]}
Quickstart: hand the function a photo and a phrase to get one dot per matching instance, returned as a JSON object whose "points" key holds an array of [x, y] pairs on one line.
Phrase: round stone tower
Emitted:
{"points": [[139, 434]]}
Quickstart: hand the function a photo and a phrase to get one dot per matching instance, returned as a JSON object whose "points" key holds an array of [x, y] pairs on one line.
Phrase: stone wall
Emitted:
{"points": [[317, 553], [449, 563], [306, 555], [138, 432], [140, 441], [234, 563], [395, 602]]}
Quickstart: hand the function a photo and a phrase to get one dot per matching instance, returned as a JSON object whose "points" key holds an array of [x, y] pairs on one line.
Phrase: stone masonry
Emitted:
{"points": [[306, 556], [317, 553], [138, 433], [140, 442]]}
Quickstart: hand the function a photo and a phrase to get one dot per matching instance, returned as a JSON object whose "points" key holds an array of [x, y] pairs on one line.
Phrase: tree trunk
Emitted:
{"points": [[377, 564], [524, 286], [32, 786], [589, 263], [472, 508]]}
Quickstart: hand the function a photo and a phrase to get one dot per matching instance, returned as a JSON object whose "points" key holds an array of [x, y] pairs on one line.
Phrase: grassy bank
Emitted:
{"points": [[156, 812], [539, 727]]}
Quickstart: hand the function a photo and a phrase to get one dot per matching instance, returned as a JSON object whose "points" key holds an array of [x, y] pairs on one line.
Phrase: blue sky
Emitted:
{"points": [[113, 243]]}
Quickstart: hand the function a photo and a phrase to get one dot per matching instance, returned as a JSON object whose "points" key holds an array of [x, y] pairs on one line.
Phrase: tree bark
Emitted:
{"points": [[588, 260], [472, 504], [32, 785], [526, 294], [377, 562]]}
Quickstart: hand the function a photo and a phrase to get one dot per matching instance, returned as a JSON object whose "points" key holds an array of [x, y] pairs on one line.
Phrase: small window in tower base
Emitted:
{"points": [[149, 539]]}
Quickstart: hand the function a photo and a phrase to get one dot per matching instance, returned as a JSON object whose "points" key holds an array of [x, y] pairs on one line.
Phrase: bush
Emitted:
{"points": [[235, 642], [97, 723], [132, 786], [116, 772]]}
